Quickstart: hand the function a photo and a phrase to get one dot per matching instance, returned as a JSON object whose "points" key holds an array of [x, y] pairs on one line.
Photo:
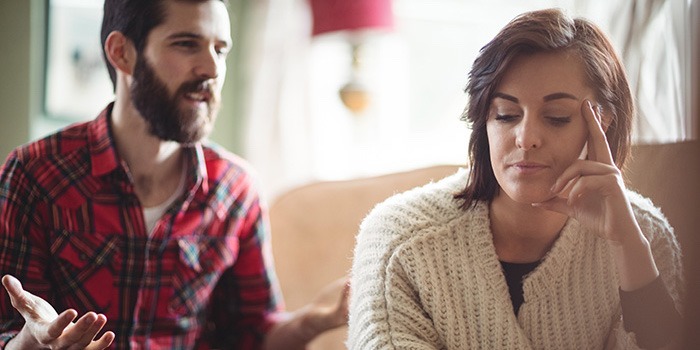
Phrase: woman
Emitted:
{"points": [[538, 244]]}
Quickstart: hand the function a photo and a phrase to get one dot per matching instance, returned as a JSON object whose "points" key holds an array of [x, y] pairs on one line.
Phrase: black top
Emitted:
{"points": [[515, 274]]}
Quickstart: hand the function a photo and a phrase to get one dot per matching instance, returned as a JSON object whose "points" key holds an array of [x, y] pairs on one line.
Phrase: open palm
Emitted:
{"points": [[45, 328]]}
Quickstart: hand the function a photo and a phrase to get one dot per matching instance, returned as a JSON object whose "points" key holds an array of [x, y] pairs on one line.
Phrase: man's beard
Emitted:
{"points": [[165, 119]]}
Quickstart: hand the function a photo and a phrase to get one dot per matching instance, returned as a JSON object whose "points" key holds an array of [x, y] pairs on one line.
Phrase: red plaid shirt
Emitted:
{"points": [[72, 231]]}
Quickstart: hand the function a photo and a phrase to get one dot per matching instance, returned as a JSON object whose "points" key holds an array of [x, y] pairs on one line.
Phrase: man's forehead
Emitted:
{"points": [[203, 18]]}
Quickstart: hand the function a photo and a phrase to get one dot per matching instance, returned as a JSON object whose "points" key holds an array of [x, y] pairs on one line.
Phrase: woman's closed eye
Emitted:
{"points": [[506, 118], [558, 120]]}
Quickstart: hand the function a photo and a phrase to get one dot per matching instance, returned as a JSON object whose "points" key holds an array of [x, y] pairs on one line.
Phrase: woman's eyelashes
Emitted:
{"points": [[505, 118], [553, 120], [558, 120]]}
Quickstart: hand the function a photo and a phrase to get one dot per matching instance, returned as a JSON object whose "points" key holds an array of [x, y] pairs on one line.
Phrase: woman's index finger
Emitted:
{"points": [[598, 147]]}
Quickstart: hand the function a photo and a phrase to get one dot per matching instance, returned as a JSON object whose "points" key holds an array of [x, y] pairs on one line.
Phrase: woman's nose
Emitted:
{"points": [[529, 134]]}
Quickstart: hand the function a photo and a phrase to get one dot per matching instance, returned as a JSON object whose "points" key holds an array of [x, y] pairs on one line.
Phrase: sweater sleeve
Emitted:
{"points": [[651, 316], [385, 312]]}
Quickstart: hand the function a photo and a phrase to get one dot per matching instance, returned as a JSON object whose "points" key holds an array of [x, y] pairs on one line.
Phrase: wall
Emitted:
{"points": [[16, 84]]}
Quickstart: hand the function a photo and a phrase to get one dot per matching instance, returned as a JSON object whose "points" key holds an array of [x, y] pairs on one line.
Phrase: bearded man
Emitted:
{"points": [[157, 239]]}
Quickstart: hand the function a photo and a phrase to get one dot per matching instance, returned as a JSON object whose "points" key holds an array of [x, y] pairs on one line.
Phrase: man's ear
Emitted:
{"points": [[120, 52]]}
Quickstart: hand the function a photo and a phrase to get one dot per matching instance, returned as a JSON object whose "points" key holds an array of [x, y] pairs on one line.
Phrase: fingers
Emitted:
{"points": [[30, 306], [49, 327], [557, 204], [104, 342], [598, 148], [565, 198], [343, 305], [581, 168], [81, 334], [15, 290], [56, 327], [580, 190], [85, 329]]}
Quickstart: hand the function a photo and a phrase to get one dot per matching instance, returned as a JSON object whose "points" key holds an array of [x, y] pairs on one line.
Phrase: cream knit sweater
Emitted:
{"points": [[426, 276]]}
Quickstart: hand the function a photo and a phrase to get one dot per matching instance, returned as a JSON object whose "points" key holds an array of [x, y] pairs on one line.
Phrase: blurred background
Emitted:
{"points": [[326, 90], [337, 89]]}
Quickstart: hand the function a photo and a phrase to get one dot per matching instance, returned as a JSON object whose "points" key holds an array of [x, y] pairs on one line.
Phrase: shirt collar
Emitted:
{"points": [[104, 157], [103, 153], [197, 165]]}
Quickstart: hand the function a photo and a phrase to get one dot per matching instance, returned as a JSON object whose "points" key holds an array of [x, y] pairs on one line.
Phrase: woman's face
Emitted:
{"points": [[535, 127]]}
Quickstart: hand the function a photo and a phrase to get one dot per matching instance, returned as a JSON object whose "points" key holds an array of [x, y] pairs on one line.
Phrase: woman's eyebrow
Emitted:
{"points": [[506, 97], [559, 95], [550, 97]]}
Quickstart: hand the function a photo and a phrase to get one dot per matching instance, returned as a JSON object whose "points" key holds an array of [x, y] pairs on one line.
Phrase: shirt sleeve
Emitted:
{"points": [[19, 221]]}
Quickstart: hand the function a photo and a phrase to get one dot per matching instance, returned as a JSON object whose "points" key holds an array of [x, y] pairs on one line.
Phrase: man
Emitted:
{"points": [[131, 222]]}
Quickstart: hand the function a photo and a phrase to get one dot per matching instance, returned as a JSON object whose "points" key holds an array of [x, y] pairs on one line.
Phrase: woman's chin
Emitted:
{"points": [[530, 197]]}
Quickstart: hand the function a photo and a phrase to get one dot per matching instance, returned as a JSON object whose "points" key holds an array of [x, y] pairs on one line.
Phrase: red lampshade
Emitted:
{"points": [[333, 15]]}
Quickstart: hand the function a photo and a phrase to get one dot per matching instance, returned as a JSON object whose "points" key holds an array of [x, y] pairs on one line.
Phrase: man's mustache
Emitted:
{"points": [[198, 86]]}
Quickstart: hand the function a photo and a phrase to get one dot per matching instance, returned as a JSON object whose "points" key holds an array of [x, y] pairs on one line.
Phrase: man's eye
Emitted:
{"points": [[222, 51], [186, 44]]}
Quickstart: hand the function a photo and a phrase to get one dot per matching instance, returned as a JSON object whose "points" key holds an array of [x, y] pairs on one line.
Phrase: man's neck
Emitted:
{"points": [[155, 165]]}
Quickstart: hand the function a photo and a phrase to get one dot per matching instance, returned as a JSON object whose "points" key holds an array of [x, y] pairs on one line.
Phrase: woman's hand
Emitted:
{"points": [[592, 191], [44, 328]]}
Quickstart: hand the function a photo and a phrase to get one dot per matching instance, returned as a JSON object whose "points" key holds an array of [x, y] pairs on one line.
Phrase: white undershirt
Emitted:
{"points": [[153, 214]]}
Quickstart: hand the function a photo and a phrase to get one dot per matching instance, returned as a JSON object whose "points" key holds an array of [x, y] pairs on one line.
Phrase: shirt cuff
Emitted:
{"points": [[6, 337]]}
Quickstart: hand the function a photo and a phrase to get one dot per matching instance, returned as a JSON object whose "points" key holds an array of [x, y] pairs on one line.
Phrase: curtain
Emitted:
{"points": [[654, 40], [274, 46]]}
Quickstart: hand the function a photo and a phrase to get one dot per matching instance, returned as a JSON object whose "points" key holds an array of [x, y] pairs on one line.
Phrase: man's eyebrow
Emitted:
{"points": [[184, 35], [191, 35]]}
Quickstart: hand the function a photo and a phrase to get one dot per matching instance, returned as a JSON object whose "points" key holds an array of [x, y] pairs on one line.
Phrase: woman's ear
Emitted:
{"points": [[120, 52]]}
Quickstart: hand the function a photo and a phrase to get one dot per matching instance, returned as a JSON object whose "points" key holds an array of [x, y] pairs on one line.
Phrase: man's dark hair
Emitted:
{"points": [[135, 19]]}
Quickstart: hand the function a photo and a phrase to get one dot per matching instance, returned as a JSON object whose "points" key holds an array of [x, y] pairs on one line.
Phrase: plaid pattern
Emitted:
{"points": [[72, 230]]}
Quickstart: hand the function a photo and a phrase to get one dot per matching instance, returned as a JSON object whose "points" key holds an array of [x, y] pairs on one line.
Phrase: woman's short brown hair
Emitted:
{"points": [[548, 30]]}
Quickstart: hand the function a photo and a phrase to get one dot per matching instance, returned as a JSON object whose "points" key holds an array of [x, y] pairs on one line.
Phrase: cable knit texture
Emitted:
{"points": [[426, 276]]}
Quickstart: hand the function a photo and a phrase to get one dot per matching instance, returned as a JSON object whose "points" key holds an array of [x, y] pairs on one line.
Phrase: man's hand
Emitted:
{"points": [[330, 308], [44, 328]]}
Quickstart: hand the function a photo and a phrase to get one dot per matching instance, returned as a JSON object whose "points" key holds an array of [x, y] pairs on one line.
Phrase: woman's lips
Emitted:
{"points": [[528, 167]]}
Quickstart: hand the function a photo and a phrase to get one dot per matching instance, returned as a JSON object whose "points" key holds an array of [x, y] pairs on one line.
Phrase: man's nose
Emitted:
{"points": [[209, 65]]}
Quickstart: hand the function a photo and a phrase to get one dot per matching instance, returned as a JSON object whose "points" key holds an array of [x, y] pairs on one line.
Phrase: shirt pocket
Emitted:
{"points": [[201, 261], [84, 269]]}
